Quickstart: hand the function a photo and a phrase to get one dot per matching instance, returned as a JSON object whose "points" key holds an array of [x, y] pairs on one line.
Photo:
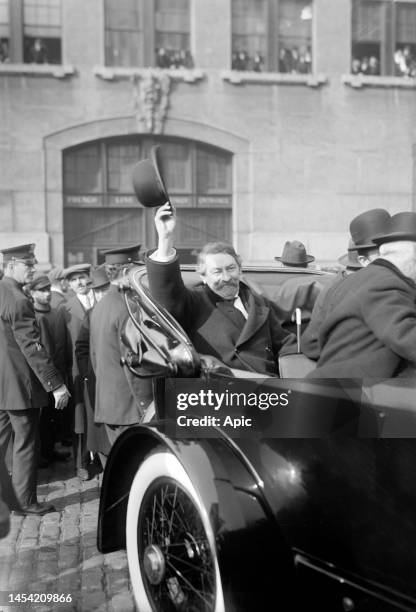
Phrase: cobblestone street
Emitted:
{"points": [[57, 553]]}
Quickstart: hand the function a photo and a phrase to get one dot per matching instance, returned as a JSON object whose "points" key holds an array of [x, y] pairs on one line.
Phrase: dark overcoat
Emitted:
{"points": [[206, 319], [73, 312], [370, 331], [27, 372], [309, 344], [97, 439], [120, 397]]}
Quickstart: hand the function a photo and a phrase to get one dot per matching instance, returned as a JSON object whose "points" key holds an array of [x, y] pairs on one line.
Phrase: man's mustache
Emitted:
{"points": [[230, 283]]}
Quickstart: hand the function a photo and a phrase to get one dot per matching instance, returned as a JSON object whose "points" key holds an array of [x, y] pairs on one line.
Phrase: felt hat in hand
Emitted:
{"points": [[148, 183]]}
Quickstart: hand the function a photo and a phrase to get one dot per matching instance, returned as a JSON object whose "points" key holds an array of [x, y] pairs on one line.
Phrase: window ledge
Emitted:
{"points": [[180, 74], [357, 81], [59, 71], [239, 77]]}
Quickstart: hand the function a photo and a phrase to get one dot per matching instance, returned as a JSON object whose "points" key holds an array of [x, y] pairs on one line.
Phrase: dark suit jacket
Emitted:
{"points": [[206, 319], [370, 331], [120, 397], [27, 373]]}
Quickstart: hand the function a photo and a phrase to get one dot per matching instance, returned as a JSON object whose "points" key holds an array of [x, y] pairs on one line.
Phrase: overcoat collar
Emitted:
{"points": [[257, 311], [13, 283], [387, 264]]}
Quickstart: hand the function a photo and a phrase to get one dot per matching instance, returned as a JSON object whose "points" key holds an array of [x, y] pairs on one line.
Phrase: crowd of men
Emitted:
{"points": [[61, 334]]}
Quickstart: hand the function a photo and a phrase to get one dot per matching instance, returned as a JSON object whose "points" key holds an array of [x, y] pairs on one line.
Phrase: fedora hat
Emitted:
{"points": [[99, 278], [368, 224], [350, 259], [294, 254], [402, 226], [148, 183]]}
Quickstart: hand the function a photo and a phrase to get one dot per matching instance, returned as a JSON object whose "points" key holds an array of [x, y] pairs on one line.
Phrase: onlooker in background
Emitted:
{"points": [[301, 290], [97, 439], [52, 334], [121, 399], [26, 376], [294, 255], [59, 286], [73, 311]]}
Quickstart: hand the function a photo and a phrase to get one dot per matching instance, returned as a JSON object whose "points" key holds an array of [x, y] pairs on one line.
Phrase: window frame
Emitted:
{"points": [[17, 35], [147, 36], [388, 37], [271, 63]]}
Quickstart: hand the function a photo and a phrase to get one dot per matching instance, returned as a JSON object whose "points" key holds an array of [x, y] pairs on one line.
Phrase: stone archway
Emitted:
{"points": [[57, 142]]}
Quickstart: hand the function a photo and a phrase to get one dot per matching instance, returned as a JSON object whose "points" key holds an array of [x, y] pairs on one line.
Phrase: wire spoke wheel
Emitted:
{"points": [[170, 543]]}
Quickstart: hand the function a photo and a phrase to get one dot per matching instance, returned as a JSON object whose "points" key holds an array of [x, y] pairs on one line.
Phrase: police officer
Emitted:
{"points": [[27, 374]]}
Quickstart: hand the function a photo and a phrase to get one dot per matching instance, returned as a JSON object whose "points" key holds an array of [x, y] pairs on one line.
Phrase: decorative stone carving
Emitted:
{"points": [[151, 100]]}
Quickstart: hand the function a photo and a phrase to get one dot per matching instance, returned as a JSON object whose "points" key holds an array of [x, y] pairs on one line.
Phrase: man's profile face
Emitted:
{"points": [[222, 274], [23, 272], [41, 296], [79, 283]]}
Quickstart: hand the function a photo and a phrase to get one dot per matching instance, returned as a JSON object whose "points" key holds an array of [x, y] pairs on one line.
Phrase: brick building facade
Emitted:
{"points": [[254, 155]]}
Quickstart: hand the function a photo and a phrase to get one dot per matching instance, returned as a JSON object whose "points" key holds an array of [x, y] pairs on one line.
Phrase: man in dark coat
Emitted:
{"points": [[58, 286], [361, 251], [73, 311], [370, 331], [27, 374], [121, 399], [223, 318], [97, 439], [52, 334]]}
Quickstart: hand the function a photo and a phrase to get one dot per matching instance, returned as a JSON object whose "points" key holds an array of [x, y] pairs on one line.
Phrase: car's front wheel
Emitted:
{"points": [[171, 547]]}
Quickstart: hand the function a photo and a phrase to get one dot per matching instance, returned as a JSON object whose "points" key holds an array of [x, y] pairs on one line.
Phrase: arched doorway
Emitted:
{"points": [[101, 211]]}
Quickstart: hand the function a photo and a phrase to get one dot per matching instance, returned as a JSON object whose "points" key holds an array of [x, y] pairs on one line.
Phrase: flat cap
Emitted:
{"points": [[124, 255], [77, 269], [23, 252], [39, 282]]}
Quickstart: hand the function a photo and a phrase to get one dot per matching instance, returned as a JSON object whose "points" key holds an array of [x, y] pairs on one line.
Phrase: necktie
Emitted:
{"points": [[234, 313]]}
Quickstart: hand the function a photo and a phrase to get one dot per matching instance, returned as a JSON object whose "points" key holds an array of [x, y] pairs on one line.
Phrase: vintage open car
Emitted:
{"points": [[317, 510]]}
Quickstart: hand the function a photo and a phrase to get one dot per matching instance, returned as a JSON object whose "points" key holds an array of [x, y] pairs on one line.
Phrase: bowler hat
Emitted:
{"points": [[148, 183], [368, 224], [99, 278], [39, 282], [124, 255], [350, 259], [401, 226], [23, 252], [294, 254], [77, 269]]}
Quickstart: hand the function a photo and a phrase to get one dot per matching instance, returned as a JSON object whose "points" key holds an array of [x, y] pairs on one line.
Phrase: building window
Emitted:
{"points": [[30, 31], [384, 37], [148, 33], [273, 35], [101, 210], [4, 31]]}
